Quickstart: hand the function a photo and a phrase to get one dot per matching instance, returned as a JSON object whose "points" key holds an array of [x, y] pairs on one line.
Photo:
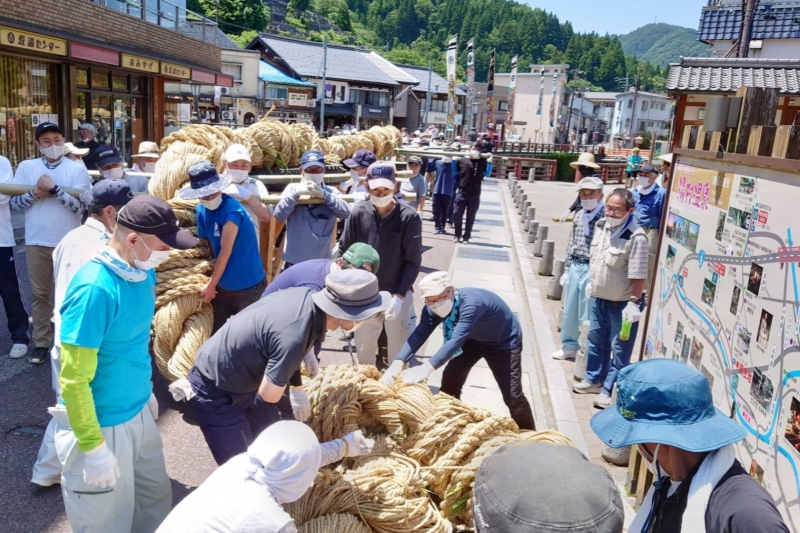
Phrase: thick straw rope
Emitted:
{"points": [[334, 523]]}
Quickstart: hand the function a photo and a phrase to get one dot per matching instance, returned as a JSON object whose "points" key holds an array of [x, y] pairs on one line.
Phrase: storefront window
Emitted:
{"points": [[100, 80], [120, 83], [277, 93], [26, 99], [81, 78]]}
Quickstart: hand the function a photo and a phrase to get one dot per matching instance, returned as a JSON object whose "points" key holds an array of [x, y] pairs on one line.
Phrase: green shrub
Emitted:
{"points": [[564, 172]]}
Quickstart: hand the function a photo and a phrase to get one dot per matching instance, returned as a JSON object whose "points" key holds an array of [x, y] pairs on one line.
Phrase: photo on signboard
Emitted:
{"points": [[671, 224], [709, 292], [756, 472], [792, 433], [687, 345], [739, 218], [742, 342], [671, 251], [676, 356], [691, 235], [754, 281], [708, 376], [764, 327], [737, 292], [696, 353], [747, 186], [679, 333], [720, 227], [761, 389]]}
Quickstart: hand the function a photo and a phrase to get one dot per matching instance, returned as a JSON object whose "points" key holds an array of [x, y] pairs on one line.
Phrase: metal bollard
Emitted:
{"points": [[555, 290], [531, 175], [541, 236], [530, 214], [533, 228], [546, 264], [525, 206]]}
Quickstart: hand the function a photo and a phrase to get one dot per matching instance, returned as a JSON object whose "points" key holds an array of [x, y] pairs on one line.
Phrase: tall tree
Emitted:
{"points": [[234, 14]]}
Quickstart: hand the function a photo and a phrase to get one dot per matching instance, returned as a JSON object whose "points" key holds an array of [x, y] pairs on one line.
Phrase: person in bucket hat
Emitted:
{"points": [[245, 376], [665, 408], [586, 167]]}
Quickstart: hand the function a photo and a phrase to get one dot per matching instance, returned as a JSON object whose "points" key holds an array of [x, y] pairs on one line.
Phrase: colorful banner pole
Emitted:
{"points": [[451, 83], [490, 91], [512, 84], [470, 83]]}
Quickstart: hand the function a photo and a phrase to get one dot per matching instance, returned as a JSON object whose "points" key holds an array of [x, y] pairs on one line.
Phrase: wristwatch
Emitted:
{"points": [[53, 191]]}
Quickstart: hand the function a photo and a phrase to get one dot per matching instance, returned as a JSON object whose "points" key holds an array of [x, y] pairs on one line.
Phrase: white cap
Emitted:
{"points": [[592, 183], [435, 284], [237, 152]]}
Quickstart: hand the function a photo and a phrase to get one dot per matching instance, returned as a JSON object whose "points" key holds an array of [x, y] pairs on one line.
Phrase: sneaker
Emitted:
{"points": [[438, 231], [47, 482], [38, 355], [602, 401], [563, 354], [18, 351], [465, 241], [584, 387], [457, 239]]}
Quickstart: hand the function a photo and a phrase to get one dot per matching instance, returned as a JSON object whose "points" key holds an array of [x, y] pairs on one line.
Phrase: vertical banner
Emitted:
{"points": [[490, 92], [470, 81], [512, 84], [451, 82], [541, 96], [553, 101]]}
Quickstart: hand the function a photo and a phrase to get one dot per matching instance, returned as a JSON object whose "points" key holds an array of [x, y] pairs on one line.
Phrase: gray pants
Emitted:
{"points": [[142, 496], [397, 332], [652, 241]]}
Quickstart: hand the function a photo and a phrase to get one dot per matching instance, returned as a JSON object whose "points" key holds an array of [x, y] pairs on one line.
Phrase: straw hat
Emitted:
{"points": [[148, 149], [586, 159]]}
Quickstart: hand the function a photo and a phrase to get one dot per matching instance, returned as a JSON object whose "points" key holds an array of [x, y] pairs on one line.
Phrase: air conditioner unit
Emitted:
{"points": [[229, 115], [225, 91], [311, 102]]}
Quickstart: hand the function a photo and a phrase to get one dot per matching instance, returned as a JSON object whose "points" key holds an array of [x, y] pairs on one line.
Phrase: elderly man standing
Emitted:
{"points": [[665, 408], [650, 198], [617, 272], [309, 228], [87, 132], [50, 213], [576, 268], [109, 163]]}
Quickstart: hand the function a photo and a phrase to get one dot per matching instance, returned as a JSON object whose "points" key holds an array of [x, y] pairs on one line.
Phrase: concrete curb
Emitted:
{"points": [[553, 382]]}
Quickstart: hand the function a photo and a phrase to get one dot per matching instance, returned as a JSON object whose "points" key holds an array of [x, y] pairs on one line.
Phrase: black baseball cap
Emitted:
{"points": [[106, 154], [153, 216], [44, 127], [362, 157], [112, 192]]}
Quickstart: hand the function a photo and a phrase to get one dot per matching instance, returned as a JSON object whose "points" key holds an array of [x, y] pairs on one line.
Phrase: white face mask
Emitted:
{"points": [[354, 175], [443, 308], [590, 205], [651, 466], [115, 173], [615, 222], [149, 167], [155, 259], [644, 182], [316, 178], [379, 201], [53, 152], [238, 176], [212, 204], [474, 154], [447, 160]]}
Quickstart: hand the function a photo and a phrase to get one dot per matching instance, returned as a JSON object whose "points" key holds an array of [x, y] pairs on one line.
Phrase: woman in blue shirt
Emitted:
{"points": [[238, 278]]}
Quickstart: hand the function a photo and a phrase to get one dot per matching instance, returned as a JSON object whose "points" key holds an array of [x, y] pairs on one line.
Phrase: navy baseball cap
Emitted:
{"points": [[663, 401], [112, 192], [312, 158], [44, 127], [362, 158], [106, 155], [153, 216], [381, 174]]}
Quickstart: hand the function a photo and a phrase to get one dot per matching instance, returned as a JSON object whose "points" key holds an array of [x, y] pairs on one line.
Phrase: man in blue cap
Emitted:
{"points": [[665, 408], [109, 163], [358, 165], [309, 228]]}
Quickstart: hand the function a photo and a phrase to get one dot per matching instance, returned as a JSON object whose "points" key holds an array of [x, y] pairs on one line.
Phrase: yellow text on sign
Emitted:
{"points": [[140, 63], [34, 42]]}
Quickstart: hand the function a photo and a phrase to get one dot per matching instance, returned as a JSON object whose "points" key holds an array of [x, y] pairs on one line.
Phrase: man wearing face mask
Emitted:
{"points": [[358, 165], [113, 473], [74, 153], [665, 407], [617, 272], [443, 190], [649, 197], [80, 245], [309, 228], [576, 267], [146, 159], [87, 132], [477, 324], [394, 229], [109, 163], [238, 278], [243, 371], [470, 171], [586, 167], [247, 190], [50, 213]]}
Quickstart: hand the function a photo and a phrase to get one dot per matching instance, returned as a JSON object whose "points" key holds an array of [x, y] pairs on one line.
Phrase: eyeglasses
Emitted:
{"points": [[619, 212]]}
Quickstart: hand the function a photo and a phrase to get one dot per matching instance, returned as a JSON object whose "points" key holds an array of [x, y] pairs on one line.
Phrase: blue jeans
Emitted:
{"points": [[576, 306], [604, 344]]}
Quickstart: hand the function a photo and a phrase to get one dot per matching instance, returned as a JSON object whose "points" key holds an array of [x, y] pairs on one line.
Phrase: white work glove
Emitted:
{"points": [[238, 192], [563, 280], [418, 374], [589, 291], [181, 390], [392, 372], [152, 404], [300, 188], [357, 444], [87, 197], [311, 364], [314, 190], [394, 312], [301, 407], [631, 313], [100, 467]]}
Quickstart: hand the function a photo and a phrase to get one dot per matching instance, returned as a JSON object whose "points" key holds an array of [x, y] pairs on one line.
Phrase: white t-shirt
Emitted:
{"points": [[47, 221], [74, 251], [6, 230], [259, 189], [228, 503]]}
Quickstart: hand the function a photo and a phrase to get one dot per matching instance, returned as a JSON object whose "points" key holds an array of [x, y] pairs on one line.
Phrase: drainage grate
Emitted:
{"points": [[484, 255], [493, 204], [490, 212], [490, 222]]}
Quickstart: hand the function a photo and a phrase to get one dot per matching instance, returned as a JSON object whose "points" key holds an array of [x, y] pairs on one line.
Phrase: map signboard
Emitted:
{"points": [[725, 301]]}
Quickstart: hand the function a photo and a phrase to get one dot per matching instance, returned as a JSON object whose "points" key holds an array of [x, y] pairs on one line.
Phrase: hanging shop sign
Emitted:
{"points": [[143, 64], [176, 71]]}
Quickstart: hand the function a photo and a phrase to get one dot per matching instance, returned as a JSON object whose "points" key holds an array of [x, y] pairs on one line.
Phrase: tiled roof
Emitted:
{"points": [[344, 63], [727, 75], [725, 22], [397, 74], [421, 73], [271, 74], [196, 29]]}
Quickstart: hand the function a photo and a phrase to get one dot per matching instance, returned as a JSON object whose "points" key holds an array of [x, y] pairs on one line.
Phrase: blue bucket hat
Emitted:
{"points": [[204, 181], [665, 402]]}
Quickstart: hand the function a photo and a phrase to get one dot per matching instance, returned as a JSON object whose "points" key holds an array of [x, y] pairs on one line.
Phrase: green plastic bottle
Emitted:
{"points": [[625, 332]]}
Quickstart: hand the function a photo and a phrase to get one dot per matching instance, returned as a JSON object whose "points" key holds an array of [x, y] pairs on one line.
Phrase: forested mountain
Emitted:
{"points": [[662, 44]]}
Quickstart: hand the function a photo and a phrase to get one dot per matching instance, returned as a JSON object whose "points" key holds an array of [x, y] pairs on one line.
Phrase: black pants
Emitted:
{"points": [[468, 202], [441, 209], [506, 366], [228, 303], [12, 297]]}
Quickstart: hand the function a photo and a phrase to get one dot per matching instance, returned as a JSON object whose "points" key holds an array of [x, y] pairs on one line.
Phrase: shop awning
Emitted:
{"points": [[271, 74], [338, 110]]}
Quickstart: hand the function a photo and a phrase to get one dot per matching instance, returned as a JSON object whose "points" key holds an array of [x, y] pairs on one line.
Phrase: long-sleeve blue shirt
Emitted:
{"points": [[483, 318], [649, 207]]}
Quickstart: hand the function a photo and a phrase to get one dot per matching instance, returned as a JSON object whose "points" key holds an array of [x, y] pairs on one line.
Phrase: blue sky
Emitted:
{"points": [[621, 16]]}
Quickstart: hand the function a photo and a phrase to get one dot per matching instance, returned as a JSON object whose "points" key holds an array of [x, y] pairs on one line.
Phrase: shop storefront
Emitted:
{"points": [[373, 116]]}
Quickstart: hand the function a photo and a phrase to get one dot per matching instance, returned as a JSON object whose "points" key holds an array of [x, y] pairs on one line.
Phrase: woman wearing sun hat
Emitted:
{"points": [[238, 278]]}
